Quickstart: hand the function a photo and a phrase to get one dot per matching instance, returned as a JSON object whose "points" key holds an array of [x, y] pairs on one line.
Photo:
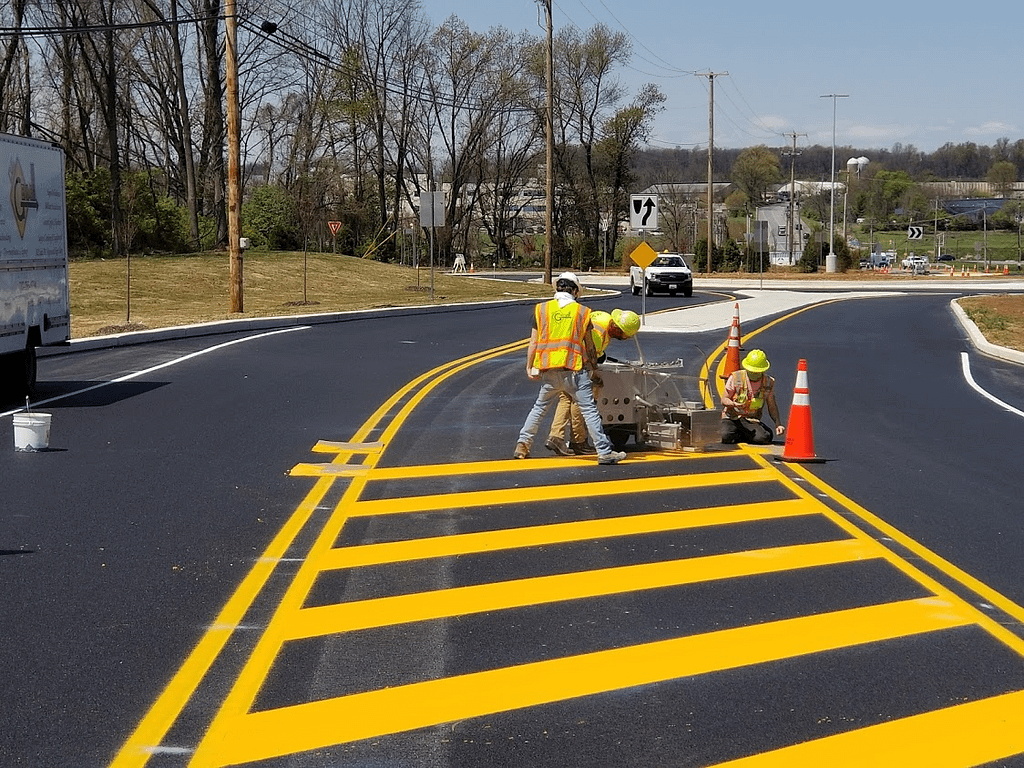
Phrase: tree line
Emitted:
{"points": [[349, 111]]}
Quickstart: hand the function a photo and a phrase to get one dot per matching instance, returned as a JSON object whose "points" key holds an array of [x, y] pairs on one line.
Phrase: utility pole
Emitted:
{"points": [[234, 191], [711, 151], [549, 126], [792, 190]]}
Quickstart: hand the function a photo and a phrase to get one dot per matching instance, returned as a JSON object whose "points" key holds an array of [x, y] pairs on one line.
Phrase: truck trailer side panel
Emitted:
{"points": [[34, 309]]}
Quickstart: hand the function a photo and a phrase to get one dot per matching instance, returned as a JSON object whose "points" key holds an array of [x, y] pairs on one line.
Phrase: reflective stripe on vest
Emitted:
{"points": [[560, 335], [600, 321]]}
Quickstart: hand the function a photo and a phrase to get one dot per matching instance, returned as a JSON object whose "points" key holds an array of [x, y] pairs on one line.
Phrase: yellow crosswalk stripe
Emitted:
{"points": [[555, 493], [559, 533], [975, 733], [267, 734], [480, 598]]}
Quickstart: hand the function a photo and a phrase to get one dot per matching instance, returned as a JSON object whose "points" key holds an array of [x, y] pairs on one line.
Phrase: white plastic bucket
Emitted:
{"points": [[31, 431]]}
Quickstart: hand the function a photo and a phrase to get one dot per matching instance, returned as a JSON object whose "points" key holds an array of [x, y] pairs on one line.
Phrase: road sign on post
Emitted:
{"points": [[643, 211], [432, 216], [915, 233], [642, 256], [335, 226]]}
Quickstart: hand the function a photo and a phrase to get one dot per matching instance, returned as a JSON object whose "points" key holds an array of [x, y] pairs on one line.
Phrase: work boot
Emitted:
{"points": [[521, 452], [583, 449], [612, 457], [557, 445]]}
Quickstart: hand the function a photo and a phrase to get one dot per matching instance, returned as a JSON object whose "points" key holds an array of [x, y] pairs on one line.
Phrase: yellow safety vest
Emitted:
{"points": [[560, 335], [749, 406], [599, 322]]}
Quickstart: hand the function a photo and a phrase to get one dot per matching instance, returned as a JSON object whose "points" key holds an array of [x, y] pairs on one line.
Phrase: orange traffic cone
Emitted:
{"points": [[800, 432], [732, 351], [1006, 269], [736, 320]]}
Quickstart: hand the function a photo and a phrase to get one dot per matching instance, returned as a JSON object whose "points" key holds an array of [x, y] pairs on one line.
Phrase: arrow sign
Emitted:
{"points": [[915, 233], [643, 211]]}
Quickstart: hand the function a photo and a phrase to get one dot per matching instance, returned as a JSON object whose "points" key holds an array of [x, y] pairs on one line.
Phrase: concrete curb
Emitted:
{"points": [[979, 341]]}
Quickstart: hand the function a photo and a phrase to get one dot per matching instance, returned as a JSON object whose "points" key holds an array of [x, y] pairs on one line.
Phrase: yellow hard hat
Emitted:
{"points": [[627, 320], [756, 361]]}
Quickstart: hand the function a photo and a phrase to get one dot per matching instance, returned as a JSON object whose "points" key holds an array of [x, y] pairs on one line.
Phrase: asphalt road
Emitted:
{"points": [[165, 577]]}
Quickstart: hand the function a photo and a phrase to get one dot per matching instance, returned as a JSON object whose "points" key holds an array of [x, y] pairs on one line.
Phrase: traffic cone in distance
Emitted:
{"points": [[800, 432], [732, 350]]}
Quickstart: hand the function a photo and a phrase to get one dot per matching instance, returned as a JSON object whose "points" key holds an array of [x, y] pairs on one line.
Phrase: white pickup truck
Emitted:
{"points": [[34, 307], [915, 264], [668, 273]]}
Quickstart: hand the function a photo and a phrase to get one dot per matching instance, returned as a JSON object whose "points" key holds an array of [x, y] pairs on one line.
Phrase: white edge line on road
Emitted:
{"points": [[965, 360], [136, 374]]}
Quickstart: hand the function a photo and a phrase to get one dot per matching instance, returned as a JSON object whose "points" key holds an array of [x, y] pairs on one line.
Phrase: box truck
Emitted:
{"points": [[34, 308]]}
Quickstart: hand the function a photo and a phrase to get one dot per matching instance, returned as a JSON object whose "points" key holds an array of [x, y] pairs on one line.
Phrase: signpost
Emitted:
{"points": [[642, 256], [334, 226], [431, 215]]}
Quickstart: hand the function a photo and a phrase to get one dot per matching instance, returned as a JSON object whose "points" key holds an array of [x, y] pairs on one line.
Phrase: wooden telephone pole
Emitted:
{"points": [[792, 191], [711, 151]]}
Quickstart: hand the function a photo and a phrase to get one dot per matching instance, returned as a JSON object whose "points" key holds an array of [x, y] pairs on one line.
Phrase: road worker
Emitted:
{"points": [[747, 392], [562, 356], [620, 324]]}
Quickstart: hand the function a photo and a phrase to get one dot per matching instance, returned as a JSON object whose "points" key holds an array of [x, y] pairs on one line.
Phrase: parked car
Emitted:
{"points": [[946, 257]]}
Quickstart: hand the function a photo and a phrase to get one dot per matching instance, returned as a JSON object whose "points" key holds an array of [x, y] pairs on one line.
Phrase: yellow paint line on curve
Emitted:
{"points": [[540, 590], [976, 586], [987, 622], [263, 735], [148, 735], [976, 733], [161, 716]]}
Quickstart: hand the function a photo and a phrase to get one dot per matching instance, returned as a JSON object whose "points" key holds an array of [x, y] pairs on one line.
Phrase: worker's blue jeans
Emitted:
{"points": [[577, 385]]}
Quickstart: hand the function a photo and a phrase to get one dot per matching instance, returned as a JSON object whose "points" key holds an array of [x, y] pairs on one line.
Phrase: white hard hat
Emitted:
{"points": [[569, 277]]}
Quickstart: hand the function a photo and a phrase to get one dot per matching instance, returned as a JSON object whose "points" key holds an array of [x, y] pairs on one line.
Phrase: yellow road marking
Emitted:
{"points": [[248, 737], [985, 621], [161, 716], [558, 533], [138, 748], [555, 493], [237, 735], [539, 590], [503, 466], [329, 446], [969, 734]]}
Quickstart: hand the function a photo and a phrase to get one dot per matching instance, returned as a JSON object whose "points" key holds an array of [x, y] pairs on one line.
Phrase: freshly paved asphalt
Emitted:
{"points": [[161, 491]]}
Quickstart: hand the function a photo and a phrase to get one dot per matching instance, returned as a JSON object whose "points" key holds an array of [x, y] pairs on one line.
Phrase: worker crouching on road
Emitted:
{"points": [[620, 324], [562, 356], [747, 391]]}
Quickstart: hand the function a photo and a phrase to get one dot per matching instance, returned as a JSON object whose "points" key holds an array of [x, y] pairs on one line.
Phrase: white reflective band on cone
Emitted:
{"points": [[802, 398]]}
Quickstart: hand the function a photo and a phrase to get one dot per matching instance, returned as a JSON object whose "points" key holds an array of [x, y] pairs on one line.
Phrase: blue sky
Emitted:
{"points": [[921, 75]]}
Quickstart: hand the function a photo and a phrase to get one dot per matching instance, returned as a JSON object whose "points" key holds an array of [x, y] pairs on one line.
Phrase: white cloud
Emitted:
{"points": [[995, 128]]}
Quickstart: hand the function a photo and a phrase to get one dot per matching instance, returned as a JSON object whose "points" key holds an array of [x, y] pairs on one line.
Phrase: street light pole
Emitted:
{"points": [[830, 260]]}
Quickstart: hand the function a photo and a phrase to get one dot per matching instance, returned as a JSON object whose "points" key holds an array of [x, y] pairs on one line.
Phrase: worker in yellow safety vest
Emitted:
{"points": [[563, 357], [747, 392], [619, 324]]}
